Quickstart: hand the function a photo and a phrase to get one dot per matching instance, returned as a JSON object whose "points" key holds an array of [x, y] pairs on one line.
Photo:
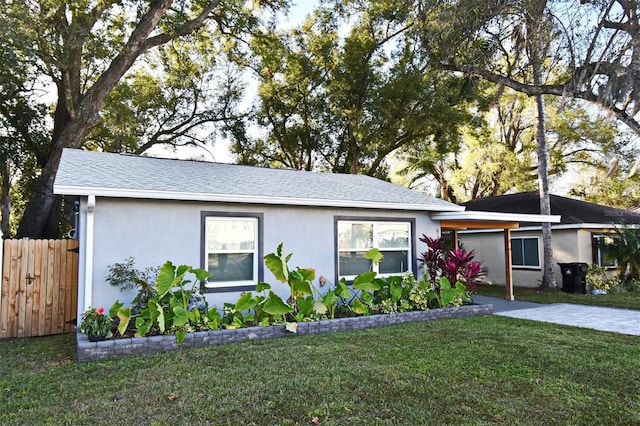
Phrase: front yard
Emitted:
{"points": [[630, 300], [469, 371]]}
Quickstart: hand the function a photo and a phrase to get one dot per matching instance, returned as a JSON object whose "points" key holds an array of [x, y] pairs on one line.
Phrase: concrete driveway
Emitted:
{"points": [[624, 321]]}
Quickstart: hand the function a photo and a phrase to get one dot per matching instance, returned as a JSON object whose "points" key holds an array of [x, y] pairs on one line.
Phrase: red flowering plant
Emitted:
{"points": [[457, 265], [95, 324]]}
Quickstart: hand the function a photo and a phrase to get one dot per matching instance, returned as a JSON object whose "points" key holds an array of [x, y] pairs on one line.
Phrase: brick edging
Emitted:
{"points": [[87, 350]]}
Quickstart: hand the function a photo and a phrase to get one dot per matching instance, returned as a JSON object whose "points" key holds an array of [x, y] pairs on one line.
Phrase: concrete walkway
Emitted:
{"points": [[624, 321]]}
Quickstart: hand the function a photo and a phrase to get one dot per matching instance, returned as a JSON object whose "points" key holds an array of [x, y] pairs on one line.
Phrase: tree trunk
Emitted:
{"points": [[5, 201], [535, 50], [42, 213]]}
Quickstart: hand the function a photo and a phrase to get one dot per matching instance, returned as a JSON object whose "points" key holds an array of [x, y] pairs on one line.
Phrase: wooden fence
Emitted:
{"points": [[39, 293]]}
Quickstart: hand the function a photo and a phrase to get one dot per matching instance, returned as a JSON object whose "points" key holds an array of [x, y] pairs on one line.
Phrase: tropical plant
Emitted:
{"points": [[96, 324], [173, 308], [598, 279], [127, 277], [299, 280], [457, 264], [625, 248]]}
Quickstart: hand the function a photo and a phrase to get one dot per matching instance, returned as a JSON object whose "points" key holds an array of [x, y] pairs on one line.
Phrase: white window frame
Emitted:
{"points": [[539, 265], [376, 244], [240, 285]]}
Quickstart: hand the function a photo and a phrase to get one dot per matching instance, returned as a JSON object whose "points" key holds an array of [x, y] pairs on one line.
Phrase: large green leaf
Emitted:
{"points": [[180, 336], [330, 298], [143, 326], [165, 279], [245, 302], [342, 290], [296, 275], [278, 267], [124, 314], [320, 307], [181, 316], [308, 274], [300, 287], [113, 311], [274, 305], [157, 315], [359, 308], [201, 274], [262, 287], [366, 281], [374, 255], [182, 270], [367, 297], [305, 305], [395, 288]]}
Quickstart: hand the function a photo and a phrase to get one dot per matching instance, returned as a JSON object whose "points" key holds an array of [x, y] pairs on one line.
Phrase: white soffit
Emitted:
{"points": [[248, 199], [495, 217]]}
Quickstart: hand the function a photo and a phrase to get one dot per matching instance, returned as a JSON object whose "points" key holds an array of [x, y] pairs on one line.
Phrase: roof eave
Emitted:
{"points": [[472, 215], [247, 199]]}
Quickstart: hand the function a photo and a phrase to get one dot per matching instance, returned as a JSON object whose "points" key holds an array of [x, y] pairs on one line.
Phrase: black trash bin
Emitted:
{"points": [[574, 277]]}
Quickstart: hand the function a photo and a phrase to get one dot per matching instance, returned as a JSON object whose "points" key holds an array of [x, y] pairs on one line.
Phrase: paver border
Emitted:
{"points": [[88, 351]]}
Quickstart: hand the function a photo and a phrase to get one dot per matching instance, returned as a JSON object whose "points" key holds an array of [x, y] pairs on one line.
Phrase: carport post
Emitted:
{"points": [[507, 264]]}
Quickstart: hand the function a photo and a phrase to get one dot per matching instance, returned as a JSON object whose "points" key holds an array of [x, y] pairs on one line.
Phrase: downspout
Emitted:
{"points": [[88, 254]]}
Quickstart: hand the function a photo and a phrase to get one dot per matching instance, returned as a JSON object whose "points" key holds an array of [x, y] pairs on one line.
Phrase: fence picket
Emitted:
{"points": [[39, 287]]}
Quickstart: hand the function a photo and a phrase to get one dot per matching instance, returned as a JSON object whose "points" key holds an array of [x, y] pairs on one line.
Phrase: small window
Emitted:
{"points": [[525, 252], [231, 251], [602, 251], [356, 238]]}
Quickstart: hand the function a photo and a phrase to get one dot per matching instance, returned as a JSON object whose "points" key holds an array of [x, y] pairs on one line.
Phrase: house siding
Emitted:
{"points": [[569, 245], [154, 231]]}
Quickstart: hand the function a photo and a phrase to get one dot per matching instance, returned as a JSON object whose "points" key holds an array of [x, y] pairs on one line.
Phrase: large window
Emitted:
{"points": [[602, 254], [232, 251], [356, 237], [525, 252]]}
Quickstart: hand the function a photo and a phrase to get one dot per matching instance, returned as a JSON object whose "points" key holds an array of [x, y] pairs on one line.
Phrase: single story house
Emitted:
{"points": [[574, 239], [226, 218]]}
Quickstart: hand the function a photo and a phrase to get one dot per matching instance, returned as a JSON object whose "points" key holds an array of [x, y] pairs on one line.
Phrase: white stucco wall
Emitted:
{"points": [[153, 231]]}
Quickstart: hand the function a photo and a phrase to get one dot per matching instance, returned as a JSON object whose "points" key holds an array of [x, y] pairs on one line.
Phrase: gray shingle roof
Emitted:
{"points": [[106, 174], [572, 211]]}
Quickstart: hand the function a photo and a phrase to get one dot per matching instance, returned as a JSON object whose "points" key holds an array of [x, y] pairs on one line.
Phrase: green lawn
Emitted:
{"points": [[629, 300], [483, 370]]}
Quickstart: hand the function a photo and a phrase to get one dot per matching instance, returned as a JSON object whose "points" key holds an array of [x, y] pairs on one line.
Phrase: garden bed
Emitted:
{"points": [[88, 351]]}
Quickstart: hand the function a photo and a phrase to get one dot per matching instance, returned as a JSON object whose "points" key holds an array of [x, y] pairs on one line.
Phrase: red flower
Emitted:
{"points": [[100, 311]]}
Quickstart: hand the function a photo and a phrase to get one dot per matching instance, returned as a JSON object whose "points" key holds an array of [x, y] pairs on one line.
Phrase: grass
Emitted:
{"points": [[483, 370], [630, 300]]}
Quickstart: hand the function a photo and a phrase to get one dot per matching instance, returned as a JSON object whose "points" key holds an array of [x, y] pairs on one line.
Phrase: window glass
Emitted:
{"points": [[517, 255], [229, 234], [355, 238], [231, 250], [603, 253], [531, 251], [393, 235], [394, 262], [353, 263], [524, 252], [355, 235], [231, 267]]}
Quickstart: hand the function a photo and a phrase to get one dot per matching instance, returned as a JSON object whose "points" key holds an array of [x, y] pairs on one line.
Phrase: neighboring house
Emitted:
{"points": [[575, 239], [226, 218]]}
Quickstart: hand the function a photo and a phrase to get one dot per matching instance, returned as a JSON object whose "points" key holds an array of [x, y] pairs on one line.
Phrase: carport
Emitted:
{"points": [[456, 221]]}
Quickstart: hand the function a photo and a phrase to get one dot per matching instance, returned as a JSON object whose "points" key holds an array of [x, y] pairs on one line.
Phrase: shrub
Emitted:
{"points": [[457, 265], [96, 324], [598, 279]]}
